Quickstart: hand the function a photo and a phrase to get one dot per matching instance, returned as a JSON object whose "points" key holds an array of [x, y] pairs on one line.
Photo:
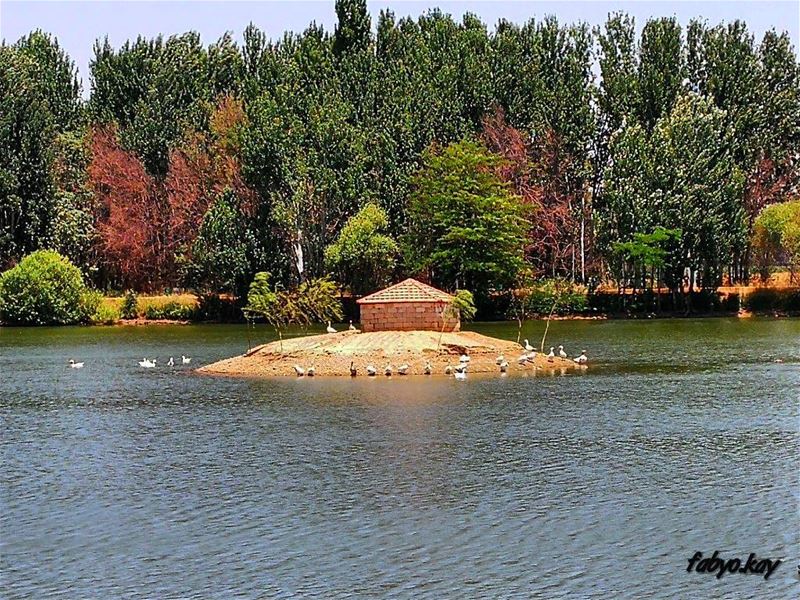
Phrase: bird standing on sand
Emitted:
{"points": [[353, 371], [388, 370], [504, 366], [464, 358], [499, 360], [371, 371], [522, 359], [299, 371], [75, 365], [561, 352], [428, 369], [448, 369], [582, 359], [462, 368], [402, 369], [552, 355], [330, 329], [310, 371], [528, 347], [352, 327], [184, 360]]}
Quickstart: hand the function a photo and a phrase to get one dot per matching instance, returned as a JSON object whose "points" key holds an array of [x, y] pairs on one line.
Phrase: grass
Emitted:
{"points": [[151, 302]]}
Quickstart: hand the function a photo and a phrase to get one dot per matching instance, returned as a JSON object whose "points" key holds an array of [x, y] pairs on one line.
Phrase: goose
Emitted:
{"points": [[462, 368], [428, 369], [499, 360], [387, 370], [352, 327], [528, 347], [531, 356], [460, 374], [353, 371], [147, 363], [464, 358], [504, 366], [75, 365], [371, 371], [582, 359], [402, 369], [552, 354], [448, 369], [561, 352], [310, 371], [171, 362], [185, 360], [330, 329], [299, 371], [522, 359]]}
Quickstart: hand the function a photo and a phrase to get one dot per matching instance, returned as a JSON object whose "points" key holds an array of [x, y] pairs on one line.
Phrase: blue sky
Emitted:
{"points": [[77, 24]]}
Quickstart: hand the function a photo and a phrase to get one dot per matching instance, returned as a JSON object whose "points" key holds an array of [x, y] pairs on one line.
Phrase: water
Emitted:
{"points": [[121, 482]]}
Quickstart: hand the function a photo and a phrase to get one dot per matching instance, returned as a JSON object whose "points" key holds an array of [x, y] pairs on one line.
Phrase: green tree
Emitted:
{"points": [[776, 237], [466, 228], [363, 257], [45, 289]]}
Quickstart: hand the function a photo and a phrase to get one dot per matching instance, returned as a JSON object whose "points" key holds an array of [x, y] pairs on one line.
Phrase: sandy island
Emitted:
{"points": [[330, 354]]}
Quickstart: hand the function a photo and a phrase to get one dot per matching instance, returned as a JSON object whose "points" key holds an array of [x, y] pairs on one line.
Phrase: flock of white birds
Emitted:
{"points": [[145, 363]]}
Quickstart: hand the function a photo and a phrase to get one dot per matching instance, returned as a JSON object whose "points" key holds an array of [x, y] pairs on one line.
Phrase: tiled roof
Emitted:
{"points": [[409, 290]]}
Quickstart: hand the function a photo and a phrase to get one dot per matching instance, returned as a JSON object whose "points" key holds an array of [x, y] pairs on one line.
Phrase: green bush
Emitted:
{"points": [[767, 300], [540, 298], [130, 306], [105, 315], [45, 289], [172, 311]]}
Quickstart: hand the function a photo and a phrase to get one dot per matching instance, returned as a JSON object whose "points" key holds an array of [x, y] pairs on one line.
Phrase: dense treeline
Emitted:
{"points": [[480, 156]]}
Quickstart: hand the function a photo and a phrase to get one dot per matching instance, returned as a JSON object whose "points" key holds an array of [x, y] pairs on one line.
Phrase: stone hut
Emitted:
{"points": [[407, 306]]}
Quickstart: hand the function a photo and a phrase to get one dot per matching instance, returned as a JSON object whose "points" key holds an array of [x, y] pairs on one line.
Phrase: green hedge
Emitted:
{"points": [[172, 311], [539, 299], [766, 300]]}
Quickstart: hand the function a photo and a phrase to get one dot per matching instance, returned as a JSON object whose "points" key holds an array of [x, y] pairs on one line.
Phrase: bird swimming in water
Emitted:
{"points": [[582, 359], [353, 371], [462, 368], [371, 371], [428, 369], [171, 362], [330, 329], [147, 363], [75, 365], [185, 360], [299, 371], [402, 369], [552, 354], [528, 347], [561, 352]]}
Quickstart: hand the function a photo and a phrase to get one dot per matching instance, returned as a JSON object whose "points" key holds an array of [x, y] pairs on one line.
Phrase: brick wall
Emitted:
{"points": [[405, 316]]}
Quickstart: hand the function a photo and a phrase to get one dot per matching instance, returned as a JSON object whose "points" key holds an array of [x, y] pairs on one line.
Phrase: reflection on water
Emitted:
{"points": [[124, 482]]}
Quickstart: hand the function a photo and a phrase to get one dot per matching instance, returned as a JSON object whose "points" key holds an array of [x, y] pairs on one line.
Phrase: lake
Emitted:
{"points": [[123, 482]]}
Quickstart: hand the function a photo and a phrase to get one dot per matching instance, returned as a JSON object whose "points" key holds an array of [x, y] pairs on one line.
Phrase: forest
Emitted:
{"points": [[473, 157]]}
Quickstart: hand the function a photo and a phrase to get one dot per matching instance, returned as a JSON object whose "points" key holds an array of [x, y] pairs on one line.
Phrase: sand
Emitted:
{"points": [[331, 354]]}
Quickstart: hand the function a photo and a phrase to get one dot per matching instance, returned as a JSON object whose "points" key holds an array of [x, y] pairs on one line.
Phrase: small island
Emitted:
{"points": [[405, 324]]}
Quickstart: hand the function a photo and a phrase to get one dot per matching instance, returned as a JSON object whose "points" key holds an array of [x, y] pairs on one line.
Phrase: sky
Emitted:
{"points": [[77, 24]]}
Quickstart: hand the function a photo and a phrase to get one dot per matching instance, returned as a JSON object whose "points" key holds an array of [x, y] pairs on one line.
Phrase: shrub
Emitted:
{"points": [[45, 289], [767, 300], [130, 306], [213, 307], [567, 297], [105, 314], [172, 311]]}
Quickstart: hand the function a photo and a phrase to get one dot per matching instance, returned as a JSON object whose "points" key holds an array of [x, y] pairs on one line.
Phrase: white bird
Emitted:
{"points": [[499, 360], [310, 371], [371, 371], [387, 370], [171, 362], [522, 359], [528, 347], [402, 369], [561, 352], [448, 369], [460, 375], [147, 364], [75, 365], [352, 327], [428, 369], [552, 354], [464, 358], [330, 329], [531, 356], [185, 360], [299, 371], [462, 368], [504, 366], [582, 359], [353, 370]]}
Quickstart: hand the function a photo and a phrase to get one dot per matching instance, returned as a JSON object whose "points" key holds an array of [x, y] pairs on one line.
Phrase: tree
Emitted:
{"points": [[466, 228], [45, 289], [776, 237], [363, 257]]}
